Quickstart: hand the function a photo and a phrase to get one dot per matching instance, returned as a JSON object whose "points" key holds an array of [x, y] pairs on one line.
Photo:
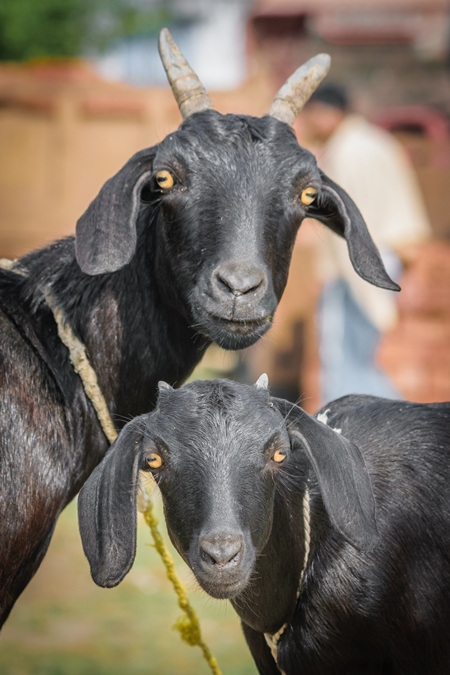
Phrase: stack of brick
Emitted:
{"points": [[416, 353]]}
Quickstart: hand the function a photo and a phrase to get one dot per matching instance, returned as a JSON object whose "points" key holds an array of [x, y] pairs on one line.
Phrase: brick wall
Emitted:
{"points": [[416, 353]]}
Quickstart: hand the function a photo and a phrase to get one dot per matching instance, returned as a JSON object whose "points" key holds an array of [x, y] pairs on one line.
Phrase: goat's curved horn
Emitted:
{"points": [[297, 89], [189, 92]]}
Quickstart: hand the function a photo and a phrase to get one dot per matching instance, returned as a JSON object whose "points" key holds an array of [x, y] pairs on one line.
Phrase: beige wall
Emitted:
{"points": [[59, 142], [62, 134]]}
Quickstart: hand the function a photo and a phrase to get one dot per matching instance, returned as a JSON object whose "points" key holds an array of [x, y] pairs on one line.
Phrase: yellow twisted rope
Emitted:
{"points": [[188, 625]]}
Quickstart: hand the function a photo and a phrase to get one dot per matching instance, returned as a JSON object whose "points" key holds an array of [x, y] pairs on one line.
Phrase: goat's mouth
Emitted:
{"points": [[235, 333], [220, 588], [223, 591], [223, 578]]}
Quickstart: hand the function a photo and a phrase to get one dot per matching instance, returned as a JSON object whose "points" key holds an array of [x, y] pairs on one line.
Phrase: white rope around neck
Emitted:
{"points": [[273, 640], [78, 358]]}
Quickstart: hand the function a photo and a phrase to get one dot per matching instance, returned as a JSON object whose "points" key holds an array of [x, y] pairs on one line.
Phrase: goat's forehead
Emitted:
{"points": [[217, 412], [203, 133]]}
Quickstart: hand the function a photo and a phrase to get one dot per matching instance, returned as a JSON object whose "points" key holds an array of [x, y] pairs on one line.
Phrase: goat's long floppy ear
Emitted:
{"points": [[106, 232], [342, 476], [107, 509], [336, 210]]}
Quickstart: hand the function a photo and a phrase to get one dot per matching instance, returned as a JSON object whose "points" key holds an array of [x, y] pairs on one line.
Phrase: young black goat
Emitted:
{"points": [[258, 495], [188, 243]]}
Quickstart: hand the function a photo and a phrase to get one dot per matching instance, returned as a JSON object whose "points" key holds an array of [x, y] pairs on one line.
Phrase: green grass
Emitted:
{"points": [[65, 625]]}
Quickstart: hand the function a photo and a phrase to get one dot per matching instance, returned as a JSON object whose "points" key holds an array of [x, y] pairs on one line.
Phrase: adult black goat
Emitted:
{"points": [[262, 500], [187, 244]]}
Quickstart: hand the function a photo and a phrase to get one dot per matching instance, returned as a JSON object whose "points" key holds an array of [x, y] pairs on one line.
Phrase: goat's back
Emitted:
{"points": [[394, 600], [411, 439], [40, 439], [406, 448]]}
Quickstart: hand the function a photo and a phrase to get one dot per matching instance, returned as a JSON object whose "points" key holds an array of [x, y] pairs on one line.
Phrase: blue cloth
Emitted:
{"points": [[347, 344]]}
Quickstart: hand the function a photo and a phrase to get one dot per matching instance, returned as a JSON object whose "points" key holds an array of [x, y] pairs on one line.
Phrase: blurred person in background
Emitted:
{"points": [[373, 168]]}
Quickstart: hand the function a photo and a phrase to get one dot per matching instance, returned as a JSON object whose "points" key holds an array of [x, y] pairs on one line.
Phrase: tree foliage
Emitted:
{"points": [[31, 29]]}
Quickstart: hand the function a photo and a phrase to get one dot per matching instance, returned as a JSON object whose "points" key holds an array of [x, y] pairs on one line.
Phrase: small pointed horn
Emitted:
{"points": [[262, 382], [163, 386], [297, 89], [187, 89]]}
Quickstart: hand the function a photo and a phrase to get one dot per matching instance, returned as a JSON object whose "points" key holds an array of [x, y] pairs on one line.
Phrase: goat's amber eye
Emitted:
{"points": [[164, 179], [308, 195], [279, 456], [154, 460]]}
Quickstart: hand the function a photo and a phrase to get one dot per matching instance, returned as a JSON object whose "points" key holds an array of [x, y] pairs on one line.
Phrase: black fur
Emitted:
{"points": [[205, 261], [375, 598]]}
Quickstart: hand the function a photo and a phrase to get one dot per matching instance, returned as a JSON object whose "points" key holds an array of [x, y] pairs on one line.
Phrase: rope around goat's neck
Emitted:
{"points": [[188, 626], [273, 640]]}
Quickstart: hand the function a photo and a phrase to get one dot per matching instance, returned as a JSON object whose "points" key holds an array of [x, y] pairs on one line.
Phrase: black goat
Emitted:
{"points": [[234, 466], [198, 231]]}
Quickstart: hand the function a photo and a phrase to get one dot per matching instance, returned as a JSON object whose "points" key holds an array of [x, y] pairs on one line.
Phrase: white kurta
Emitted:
{"points": [[372, 167]]}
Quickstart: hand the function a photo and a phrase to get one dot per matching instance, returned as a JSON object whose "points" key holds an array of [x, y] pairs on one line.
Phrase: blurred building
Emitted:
{"points": [[374, 45], [212, 36]]}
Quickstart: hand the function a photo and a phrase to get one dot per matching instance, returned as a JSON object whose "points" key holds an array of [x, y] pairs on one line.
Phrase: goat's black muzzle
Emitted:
{"points": [[222, 562], [234, 305]]}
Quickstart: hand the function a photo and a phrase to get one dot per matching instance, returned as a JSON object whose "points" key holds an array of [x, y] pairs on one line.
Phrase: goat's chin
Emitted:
{"points": [[234, 335], [223, 591]]}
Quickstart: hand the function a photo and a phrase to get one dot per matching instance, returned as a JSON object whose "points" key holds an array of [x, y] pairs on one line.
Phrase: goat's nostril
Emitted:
{"points": [[220, 551], [239, 280]]}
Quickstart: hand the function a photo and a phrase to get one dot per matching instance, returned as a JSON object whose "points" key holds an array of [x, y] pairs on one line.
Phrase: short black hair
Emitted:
{"points": [[332, 94]]}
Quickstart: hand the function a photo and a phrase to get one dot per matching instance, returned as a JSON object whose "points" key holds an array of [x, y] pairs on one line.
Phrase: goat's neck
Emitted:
{"points": [[132, 337], [270, 599]]}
